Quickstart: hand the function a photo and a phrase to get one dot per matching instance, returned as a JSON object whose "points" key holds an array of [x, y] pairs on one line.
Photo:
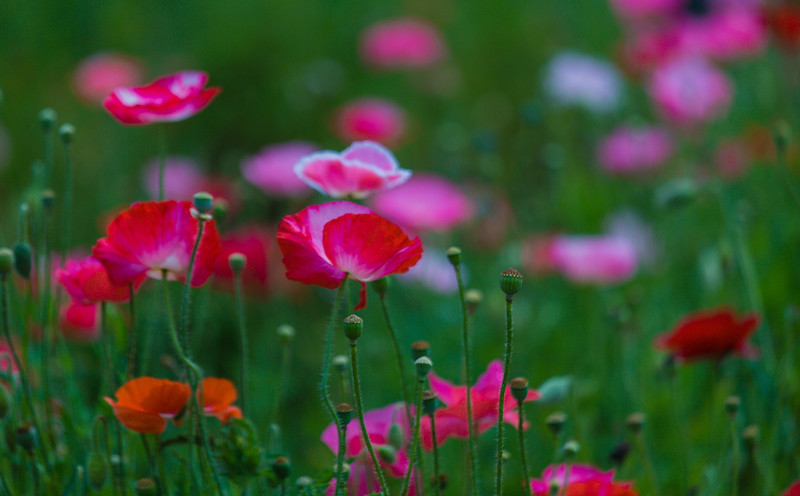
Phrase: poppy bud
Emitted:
{"points": [[146, 487], [519, 388], [571, 449], [387, 453], [353, 325], [396, 437], [27, 437], [303, 482], [423, 366], [220, 210], [555, 422], [237, 262], [429, 402], [420, 349], [635, 422], [732, 405], [344, 414], [454, 255], [47, 119], [23, 262], [281, 467], [510, 282], [203, 202], [473, 298], [339, 363], [381, 285], [6, 261], [97, 470], [48, 199], [285, 333], [66, 132]]}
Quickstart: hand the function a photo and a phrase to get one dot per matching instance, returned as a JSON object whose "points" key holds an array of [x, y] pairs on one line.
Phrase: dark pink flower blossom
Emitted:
{"points": [[402, 44], [361, 169], [373, 119], [630, 150], [323, 244], [582, 480], [168, 99], [427, 202], [252, 242], [80, 322], [690, 91], [272, 170], [605, 259], [87, 282], [100, 74]]}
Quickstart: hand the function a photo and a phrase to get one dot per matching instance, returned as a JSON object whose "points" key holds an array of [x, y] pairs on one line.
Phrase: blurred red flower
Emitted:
{"points": [[710, 334], [170, 98], [79, 322], [87, 282], [217, 399], [153, 236], [144, 404], [793, 490], [253, 243], [784, 21], [102, 73], [323, 244]]}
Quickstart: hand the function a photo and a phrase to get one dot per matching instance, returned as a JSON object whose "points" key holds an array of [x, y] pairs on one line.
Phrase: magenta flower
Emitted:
{"points": [[690, 91], [252, 242], [168, 99], [402, 44], [582, 480], [724, 34], [593, 259], [79, 322], [451, 421], [630, 150], [361, 169], [87, 282], [434, 271], [427, 202], [182, 178], [272, 170], [100, 74], [373, 119], [323, 244]]}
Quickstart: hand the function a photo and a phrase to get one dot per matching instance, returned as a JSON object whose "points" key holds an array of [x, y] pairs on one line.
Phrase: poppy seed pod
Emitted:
{"points": [[48, 199], [429, 402], [281, 467], [454, 255], [339, 363], [510, 282], [23, 260], [732, 405], [571, 449], [203, 202], [555, 422], [237, 262], [423, 366], [635, 422], [344, 414], [381, 285], [420, 349], [519, 388], [66, 132], [47, 119], [353, 326], [285, 333]]}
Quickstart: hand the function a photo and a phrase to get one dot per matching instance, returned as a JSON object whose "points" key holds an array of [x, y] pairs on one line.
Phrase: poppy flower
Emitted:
{"points": [[100, 74], [323, 244], [583, 480], [7, 363], [252, 242], [402, 44], [710, 334], [451, 421], [604, 259], [144, 404], [783, 20], [151, 237], [79, 322], [272, 169], [87, 282], [363, 168], [168, 99], [630, 150], [373, 119], [793, 490], [690, 90], [217, 399]]}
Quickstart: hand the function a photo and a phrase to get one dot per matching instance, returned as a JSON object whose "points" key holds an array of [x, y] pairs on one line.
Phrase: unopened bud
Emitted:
{"points": [[339, 363], [47, 119], [353, 326], [23, 260], [510, 282], [381, 285], [571, 449], [285, 333], [146, 487], [97, 470], [344, 413], [27, 437], [203, 202], [48, 199], [473, 298], [396, 437], [519, 388], [66, 132], [429, 402], [635, 422], [281, 467], [732, 405], [423, 366], [454, 255], [676, 193], [6, 261], [237, 262], [750, 435], [555, 422], [387, 453], [420, 349]]}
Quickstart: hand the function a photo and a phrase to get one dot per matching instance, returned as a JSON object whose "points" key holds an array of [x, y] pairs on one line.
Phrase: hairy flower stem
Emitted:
{"points": [[326, 359], [340, 481], [360, 412], [162, 159], [66, 223], [244, 361], [185, 300], [131, 336], [501, 403], [435, 455], [398, 353], [414, 451], [520, 424], [282, 372], [473, 455]]}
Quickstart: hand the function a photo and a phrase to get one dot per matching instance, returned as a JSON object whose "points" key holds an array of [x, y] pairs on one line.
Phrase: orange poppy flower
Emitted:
{"points": [[217, 397], [144, 404]]}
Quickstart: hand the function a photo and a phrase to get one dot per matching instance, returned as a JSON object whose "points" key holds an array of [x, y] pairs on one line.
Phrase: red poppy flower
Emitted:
{"points": [[793, 490], [87, 282], [171, 98], [323, 244], [80, 322], [144, 404], [710, 334], [217, 399], [151, 237], [253, 243], [784, 21]]}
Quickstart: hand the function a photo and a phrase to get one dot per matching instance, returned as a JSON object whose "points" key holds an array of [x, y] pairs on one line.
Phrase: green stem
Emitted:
{"points": [[648, 463], [161, 472], [783, 166], [244, 362], [521, 433], [153, 466], [465, 337], [735, 441], [340, 481], [162, 162], [47, 336], [360, 411], [67, 212], [501, 403], [185, 300], [435, 455], [131, 336], [398, 353], [413, 452], [323, 386]]}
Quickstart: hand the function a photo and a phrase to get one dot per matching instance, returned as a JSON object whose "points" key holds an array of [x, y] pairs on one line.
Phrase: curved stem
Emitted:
{"points": [[413, 451], [67, 212], [735, 474], [502, 397], [520, 425], [244, 361], [360, 408], [465, 338]]}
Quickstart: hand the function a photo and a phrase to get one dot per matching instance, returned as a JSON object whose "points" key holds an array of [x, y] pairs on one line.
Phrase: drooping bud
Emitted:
{"points": [[48, 199], [66, 132], [519, 388], [429, 402], [732, 405], [23, 260], [423, 366], [353, 325], [571, 449], [635, 422], [6, 261], [386, 453], [454, 255], [420, 349], [237, 262], [396, 437], [473, 298], [510, 282], [339, 363], [203, 202], [146, 487], [27, 437], [381, 285], [285, 333], [344, 414], [47, 119], [555, 422], [97, 470], [281, 467]]}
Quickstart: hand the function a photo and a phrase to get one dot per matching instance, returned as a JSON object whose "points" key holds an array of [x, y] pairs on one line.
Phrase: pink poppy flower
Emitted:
{"points": [[80, 322], [434, 271], [402, 44], [690, 91], [451, 421], [631, 150], [605, 259], [253, 243], [100, 74], [362, 479], [793, 490], [323, 244], [373, 119], [168, 99], [361, 169], [87, 282], [724, 34], [272, 170], [183, 177], [427, 202], [711, 334], [582, 480], [151, 237]]}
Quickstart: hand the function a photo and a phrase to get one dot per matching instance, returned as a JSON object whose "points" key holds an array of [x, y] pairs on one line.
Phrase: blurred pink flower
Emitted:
{"points": [[793, 490], [593, 259], [724, 34], [7, 363], [427, 202], [629, 150], [434, 271], [79, 322], [361, 169], [402, 44], [690, 91], [373, 119], [87, 282], [637, 9], [183, 178], [102, 73], [272, 170], [573, 78]]}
